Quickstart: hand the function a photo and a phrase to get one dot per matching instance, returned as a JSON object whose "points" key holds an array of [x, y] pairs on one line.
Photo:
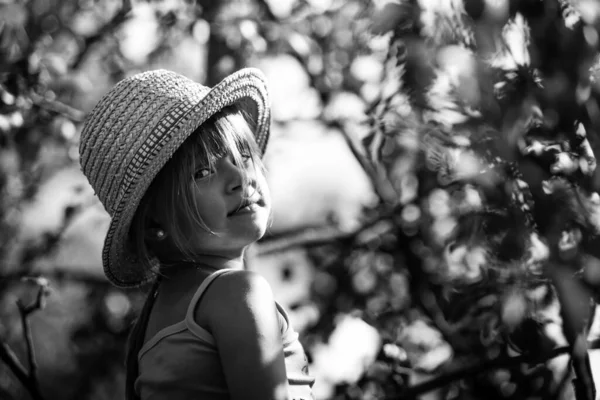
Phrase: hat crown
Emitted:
{"points": [[125, 130]]}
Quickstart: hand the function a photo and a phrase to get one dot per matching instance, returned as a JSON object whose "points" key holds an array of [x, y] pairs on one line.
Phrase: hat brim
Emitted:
{"points": [[121, 266]]}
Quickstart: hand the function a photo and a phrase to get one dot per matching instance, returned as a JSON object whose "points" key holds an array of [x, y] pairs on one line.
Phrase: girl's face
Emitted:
{"points": [[236, 214], [211, 198]]}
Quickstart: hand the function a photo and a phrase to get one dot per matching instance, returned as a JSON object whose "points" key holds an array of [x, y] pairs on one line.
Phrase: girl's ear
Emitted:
{"points": [[155, 217]]}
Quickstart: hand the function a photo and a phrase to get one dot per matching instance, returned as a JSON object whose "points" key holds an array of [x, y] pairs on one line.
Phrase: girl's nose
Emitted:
{"points": [[234, 175]]}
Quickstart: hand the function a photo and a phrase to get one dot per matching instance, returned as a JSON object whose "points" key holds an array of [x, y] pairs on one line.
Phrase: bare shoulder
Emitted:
{"points": [[245, 326], [237, 294], [243, 283]]}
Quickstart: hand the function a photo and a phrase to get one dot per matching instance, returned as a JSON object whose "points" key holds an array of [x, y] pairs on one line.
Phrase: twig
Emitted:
{"points": [[24, 311], [57, 107], [306, 237], [12, 361], [27, 378], [61, 273], [376, 179], [111, 25], [481, 367], [312, 237]]}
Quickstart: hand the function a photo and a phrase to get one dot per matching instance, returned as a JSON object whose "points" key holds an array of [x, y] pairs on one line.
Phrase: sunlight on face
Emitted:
{"points": [[235, 213], [212, 197]]}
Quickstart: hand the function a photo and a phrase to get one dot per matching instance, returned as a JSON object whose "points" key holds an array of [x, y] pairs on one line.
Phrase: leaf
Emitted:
{"points": [[388, 17], [514, 309]]}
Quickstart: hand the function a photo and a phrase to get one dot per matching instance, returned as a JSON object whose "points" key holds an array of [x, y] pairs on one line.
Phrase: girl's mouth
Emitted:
{"points": [[247, 205]]}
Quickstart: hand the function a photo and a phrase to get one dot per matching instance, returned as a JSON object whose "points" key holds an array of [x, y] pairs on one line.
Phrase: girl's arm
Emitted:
{"points": [[243, 320]]}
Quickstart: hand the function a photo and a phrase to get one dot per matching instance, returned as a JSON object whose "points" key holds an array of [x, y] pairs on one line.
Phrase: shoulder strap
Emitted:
{"points": [[201, 289], [160, 335], [189, 318]]}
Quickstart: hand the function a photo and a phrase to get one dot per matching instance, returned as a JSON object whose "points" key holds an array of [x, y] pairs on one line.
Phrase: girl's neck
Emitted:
{"points": [[207, 263], [217, 262]]}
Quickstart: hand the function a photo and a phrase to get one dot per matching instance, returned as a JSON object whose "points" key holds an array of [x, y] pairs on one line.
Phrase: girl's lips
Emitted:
{"points": [[250, 208], [245, 207]]}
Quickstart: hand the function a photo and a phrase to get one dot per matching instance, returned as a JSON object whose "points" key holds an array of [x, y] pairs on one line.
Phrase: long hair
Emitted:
{"points": [[229, 132]]}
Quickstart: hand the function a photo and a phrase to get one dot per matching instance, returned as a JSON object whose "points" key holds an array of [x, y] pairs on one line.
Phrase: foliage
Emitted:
{"points": [[481, 150], [480, 146], [57, 58]]}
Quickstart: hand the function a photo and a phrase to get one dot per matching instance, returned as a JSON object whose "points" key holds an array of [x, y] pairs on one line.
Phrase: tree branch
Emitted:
{"points": [[8, 356], [27, 377], [382, 186], [305, 237], [57, 107], [121, 16], [317, 236], [481, 367]]}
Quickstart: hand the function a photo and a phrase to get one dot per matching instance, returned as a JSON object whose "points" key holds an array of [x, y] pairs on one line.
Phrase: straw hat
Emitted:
{"points": [[136, 128]]}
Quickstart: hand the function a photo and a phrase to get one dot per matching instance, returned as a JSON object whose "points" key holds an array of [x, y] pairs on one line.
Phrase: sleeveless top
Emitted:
{"points": [[182, 361]]}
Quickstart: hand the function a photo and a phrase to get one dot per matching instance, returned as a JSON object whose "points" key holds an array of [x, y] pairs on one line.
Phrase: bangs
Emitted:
{"points": [[226, 133]]}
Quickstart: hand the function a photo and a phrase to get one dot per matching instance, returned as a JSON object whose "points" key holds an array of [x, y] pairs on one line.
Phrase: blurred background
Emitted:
{"points": [[432, 171]]}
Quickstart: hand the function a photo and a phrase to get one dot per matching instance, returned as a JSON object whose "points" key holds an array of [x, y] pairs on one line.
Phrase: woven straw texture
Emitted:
{"points": [[135, 129]]}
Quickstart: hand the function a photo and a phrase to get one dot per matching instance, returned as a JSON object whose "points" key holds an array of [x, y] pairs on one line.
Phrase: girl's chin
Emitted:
{"points": [[256, 233], [256, 222]]}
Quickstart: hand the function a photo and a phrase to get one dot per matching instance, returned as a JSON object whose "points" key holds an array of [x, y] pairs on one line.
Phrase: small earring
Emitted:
{"points": [[160, 234]]}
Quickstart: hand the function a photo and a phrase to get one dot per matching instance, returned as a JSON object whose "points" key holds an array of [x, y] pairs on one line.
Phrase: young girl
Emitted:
{"points": [[178, 167]]}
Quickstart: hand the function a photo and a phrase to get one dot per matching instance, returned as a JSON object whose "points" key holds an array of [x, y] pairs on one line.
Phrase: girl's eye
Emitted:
{"points": [[246, 157], [203, 173]]}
